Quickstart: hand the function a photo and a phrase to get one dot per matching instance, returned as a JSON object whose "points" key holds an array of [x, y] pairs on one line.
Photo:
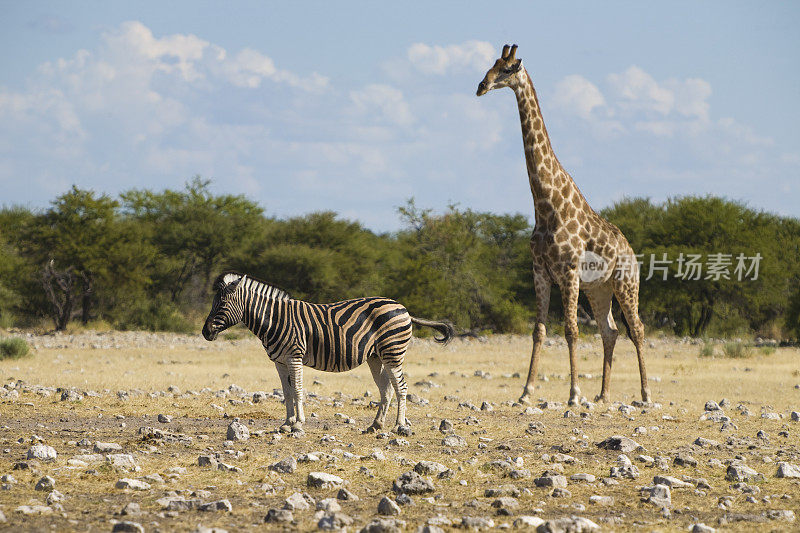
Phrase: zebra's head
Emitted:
{"points": [[227, 307]]}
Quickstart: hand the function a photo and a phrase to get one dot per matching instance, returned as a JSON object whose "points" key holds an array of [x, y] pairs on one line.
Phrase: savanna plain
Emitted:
{"points": [[139, 427]]}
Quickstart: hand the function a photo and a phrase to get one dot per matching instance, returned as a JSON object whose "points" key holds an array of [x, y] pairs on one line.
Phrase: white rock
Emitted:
{"points": [[123, 461], [285, 466], [387, 507], [297, 502], [329, 505], [132, 484], [107, 447], [238, 431], [788, 470], [45, 483], [323, 480], [42, 452], [527, 521]]}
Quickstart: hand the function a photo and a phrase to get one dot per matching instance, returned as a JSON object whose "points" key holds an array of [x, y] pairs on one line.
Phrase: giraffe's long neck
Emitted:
{"points": [[550, 183]]}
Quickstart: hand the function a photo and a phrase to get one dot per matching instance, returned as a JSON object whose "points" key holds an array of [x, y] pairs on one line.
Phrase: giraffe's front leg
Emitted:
{"points": [[288, 397], [542, 285], [296, 370], [569, 294]]}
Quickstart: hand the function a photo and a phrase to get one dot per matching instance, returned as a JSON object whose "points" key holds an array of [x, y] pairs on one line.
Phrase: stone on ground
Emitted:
{"points": [[323, 480]]}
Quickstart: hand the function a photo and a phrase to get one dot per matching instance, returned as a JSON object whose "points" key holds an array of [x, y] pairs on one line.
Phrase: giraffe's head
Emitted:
{"points": [[504, 73]]}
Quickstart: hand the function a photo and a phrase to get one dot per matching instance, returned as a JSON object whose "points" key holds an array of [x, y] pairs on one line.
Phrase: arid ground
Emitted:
{"points": [[80, 395]]}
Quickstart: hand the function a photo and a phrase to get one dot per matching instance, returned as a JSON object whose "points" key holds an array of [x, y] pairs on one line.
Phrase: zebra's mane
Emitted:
{"points": [[269, 289]]}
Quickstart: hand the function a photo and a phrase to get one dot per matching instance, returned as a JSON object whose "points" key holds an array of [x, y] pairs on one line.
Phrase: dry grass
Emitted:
{"points": [[681, 381]]}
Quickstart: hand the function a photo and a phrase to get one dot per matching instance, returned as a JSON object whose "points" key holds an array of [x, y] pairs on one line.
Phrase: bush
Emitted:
{"points": [[707, 350], [155, 315], [737, 350], [13, 348]]}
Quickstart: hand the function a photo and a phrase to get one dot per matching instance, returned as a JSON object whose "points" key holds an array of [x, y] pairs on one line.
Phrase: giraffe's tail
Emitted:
{"points": [[445, 328], [627, 327]]}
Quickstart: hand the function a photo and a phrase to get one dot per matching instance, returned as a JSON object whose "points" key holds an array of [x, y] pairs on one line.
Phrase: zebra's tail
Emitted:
{"points": [[445, 328]]}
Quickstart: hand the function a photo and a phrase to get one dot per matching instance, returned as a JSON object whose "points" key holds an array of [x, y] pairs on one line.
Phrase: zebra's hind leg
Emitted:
{"points": [[288, 397], [296, 370], [383, 380], [401, 388]]}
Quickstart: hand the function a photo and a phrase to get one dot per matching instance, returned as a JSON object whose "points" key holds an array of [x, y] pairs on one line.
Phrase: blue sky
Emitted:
{"points": [[356, 107]]}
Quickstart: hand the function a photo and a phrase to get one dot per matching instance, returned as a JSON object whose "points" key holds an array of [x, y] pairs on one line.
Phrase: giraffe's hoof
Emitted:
{"points": [[297, 426], [285, 428], [525, 399], [601, 398]]}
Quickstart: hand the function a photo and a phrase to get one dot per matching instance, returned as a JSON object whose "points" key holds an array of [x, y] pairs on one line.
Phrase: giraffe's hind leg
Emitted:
{"points": [[569, 298], [383, 380], [600, 300], [626, 290]]}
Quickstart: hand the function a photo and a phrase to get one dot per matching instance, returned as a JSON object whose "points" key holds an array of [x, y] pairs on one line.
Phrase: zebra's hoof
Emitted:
{"points": [[404, 431]]}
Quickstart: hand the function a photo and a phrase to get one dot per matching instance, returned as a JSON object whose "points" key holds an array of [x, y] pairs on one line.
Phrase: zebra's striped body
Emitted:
{"points": [[333, 337]]}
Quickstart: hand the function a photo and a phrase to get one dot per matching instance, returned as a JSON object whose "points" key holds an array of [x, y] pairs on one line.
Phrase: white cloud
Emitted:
{"points": [[635, 91], [638, 91], [691, 97], [578, 95], [384, 99], [634, 100], [467, 56]]}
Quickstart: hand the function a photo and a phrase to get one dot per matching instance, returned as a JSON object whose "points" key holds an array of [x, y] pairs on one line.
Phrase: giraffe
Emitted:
{"points": [[571, 244]]}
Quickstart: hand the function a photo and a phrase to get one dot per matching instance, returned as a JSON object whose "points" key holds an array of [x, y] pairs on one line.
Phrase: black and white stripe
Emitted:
{"points": [[333, 337]]}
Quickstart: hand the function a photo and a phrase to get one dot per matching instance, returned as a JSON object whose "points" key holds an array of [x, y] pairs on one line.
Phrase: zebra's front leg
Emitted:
{"points": [[288, 397], [296, 370]]}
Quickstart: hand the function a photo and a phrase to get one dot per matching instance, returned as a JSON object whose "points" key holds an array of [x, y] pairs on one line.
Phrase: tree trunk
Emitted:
{"points": [[86, 297], [58, 286]]}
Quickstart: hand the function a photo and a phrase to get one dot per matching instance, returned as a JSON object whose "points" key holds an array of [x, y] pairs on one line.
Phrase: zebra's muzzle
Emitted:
{"points": [[209, 332]]}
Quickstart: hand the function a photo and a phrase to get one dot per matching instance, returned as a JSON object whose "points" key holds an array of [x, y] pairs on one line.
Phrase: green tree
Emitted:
{"points": [[72, 238], [465, 266], [194, 233], [704, 227], [17, 286], [319, 257]]}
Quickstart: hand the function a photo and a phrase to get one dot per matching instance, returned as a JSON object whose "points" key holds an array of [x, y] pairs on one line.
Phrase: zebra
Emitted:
{"points": [[332, 337]]}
